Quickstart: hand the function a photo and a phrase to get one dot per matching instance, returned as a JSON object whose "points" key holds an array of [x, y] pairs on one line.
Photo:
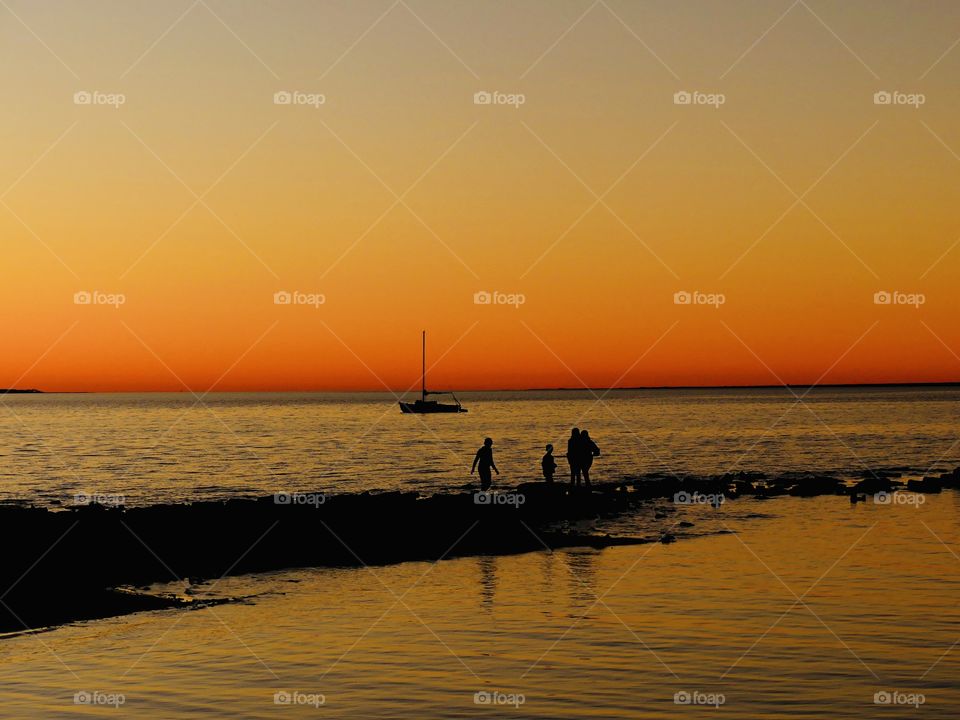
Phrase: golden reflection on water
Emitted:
{"points": [[577, 633], [487, 567]]}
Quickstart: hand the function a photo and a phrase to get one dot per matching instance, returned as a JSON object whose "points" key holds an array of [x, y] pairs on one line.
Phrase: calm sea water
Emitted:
{"points": [[580, 634], [170, 447], [808, 608]]}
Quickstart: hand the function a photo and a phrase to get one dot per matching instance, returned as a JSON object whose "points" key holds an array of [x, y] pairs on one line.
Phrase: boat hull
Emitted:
{"points": [[429, 407]]}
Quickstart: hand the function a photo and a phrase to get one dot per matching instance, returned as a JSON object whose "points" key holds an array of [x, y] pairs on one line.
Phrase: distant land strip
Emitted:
{"points": [[773, 386]]}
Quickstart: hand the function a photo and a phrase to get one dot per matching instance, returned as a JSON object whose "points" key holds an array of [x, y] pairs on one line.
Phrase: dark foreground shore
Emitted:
{"points": [[83, 563]]}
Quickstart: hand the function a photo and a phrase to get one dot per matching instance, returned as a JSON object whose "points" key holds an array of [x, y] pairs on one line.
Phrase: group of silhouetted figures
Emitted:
{"points": [[581, 450]]}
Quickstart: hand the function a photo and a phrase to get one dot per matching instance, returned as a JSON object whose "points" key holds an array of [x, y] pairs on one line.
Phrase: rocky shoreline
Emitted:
{"points": [[88, 562]]}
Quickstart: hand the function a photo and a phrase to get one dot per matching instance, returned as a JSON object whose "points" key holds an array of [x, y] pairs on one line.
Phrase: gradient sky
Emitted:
{"points": [[493, 198]]}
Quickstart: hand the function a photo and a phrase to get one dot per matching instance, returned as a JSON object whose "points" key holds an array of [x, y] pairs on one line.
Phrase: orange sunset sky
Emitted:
{"points": [[398, 198]]}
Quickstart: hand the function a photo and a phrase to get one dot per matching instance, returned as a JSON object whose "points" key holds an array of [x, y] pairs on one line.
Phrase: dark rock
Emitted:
{"points": [[926, 485], [817, 485], [874, 484], [951, 479], [767, 491]]}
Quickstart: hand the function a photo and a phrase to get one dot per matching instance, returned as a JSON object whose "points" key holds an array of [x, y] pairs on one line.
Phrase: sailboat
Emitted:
{"points": [[429, 406]]}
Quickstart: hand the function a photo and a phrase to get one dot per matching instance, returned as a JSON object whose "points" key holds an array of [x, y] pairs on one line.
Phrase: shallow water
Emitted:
{"points": [[170, 447], [612, 634]]}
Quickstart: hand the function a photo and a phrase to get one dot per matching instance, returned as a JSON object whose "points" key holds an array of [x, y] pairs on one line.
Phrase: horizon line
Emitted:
{"points": [[769, 386]]}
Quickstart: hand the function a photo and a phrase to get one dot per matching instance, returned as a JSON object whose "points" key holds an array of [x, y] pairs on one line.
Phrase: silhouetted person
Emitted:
{"points": [[573, 456], [484, 460], [548, 464], [588, 450]]}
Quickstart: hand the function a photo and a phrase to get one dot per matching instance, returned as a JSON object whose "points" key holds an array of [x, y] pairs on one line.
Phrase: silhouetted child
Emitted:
{"points": [[548, 464], [484, 459]]}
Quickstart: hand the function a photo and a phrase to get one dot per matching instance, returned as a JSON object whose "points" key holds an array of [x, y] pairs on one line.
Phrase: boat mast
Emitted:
{"points": [[423, 365]]}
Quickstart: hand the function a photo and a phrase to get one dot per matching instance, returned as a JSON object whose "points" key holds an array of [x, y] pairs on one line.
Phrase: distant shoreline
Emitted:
{"points": [[777, 386], [789, 386]]}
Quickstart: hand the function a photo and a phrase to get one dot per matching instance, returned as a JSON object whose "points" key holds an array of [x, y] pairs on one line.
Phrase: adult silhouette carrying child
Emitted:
{"points": [[587, 451]]}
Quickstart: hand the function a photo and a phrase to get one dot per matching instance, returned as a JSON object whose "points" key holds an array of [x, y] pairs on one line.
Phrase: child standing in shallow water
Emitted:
{"points": [[548, 464]]}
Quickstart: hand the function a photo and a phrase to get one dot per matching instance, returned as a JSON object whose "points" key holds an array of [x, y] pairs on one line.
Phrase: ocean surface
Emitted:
{"points": [[176, 447], [786, 608]]}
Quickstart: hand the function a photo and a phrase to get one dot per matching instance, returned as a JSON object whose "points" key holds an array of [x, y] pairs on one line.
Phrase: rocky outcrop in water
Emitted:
{"points": [[63, 565]]}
